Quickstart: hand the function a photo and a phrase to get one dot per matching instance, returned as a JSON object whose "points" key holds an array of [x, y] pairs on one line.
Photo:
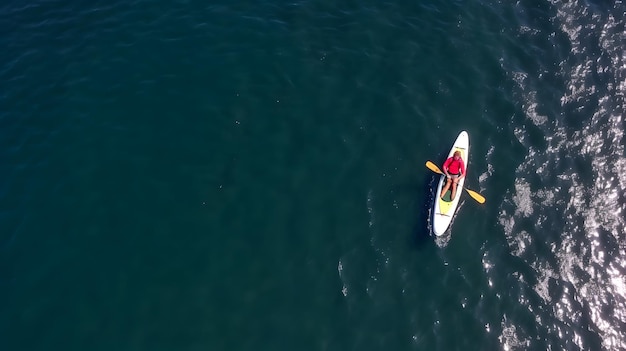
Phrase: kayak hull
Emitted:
{"points": [[444, 209]]}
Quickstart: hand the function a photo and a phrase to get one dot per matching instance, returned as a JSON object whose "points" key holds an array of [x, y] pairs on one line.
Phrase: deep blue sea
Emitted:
{"points": [[250, 175]]}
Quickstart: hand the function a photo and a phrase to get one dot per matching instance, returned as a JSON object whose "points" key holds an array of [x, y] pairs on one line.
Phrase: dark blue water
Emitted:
{"points": [[250, 176]]}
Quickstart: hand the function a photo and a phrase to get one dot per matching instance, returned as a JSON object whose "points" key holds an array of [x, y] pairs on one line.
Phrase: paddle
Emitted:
{"points": [[476, 196]]}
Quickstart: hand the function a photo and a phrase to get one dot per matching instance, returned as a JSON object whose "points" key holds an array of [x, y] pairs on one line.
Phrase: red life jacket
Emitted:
{"points": [[454, 166]]}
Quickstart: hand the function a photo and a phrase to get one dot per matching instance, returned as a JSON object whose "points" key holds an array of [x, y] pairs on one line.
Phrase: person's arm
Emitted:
{"points": [[462, 169], [445, 167]]}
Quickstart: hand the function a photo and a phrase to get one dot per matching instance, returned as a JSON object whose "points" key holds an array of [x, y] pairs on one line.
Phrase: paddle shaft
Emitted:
{"points": [[476, 196]]}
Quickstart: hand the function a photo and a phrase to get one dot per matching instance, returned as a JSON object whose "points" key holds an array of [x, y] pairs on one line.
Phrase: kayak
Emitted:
{"points": [[444, 208]]}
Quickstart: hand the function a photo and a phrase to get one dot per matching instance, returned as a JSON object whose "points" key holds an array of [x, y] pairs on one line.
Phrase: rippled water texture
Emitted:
{"points": [[250, 175], [565, 217]]}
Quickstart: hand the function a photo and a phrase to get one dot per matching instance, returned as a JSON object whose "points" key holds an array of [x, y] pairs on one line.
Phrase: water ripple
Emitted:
{"points": [[580, 268]]}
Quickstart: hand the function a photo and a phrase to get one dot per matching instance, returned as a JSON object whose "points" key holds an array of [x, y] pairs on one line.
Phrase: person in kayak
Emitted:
{"points": [[454, 169]]}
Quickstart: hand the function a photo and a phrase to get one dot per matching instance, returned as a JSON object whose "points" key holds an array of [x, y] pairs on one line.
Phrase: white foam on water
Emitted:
{"points": [[344, 287], [370, 209], [522, 199], [443, 240], [531, 112], [519, 243], [510, 339], [489, 172]]}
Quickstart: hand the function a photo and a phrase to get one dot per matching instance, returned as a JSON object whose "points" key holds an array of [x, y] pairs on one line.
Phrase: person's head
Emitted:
{"points": [[457, 155]]}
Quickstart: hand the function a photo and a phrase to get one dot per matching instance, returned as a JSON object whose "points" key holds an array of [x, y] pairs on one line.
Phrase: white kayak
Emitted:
{"points": [[444, 209]]}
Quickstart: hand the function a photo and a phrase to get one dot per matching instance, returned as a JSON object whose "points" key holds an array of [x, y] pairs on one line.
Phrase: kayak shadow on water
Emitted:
{"points": [[421, 234]]}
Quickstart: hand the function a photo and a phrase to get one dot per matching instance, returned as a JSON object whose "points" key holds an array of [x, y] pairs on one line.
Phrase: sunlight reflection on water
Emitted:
{"points": [[580, 279]]}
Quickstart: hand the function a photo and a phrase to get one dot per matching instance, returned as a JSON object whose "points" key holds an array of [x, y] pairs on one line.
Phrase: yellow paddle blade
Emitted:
{"points": [[433, 167], [476, 196]]}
